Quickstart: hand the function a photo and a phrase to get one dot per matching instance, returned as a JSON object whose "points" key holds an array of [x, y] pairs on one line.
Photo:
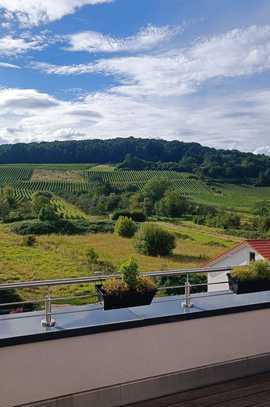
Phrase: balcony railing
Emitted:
{"points": [[48, 300]]}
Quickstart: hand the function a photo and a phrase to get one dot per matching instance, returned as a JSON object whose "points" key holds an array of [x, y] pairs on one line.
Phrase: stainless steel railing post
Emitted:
{"points": [[48, 321], [187, 303]]}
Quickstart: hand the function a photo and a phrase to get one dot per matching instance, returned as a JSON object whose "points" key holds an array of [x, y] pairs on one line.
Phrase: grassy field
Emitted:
{"points": [[42, 174], [58, 256], [241, 198]]}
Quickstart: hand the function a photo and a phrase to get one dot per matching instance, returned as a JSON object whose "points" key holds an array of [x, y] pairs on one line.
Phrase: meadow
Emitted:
{"points": [[61, 256]]}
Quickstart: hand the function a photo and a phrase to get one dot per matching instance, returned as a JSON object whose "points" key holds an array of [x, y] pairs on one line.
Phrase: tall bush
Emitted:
{"points": [[125, 227], [152, 240]]}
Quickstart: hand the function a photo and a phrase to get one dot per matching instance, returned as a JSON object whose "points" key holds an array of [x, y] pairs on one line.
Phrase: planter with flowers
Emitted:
{"points": [[252, 278], [131, 290]]}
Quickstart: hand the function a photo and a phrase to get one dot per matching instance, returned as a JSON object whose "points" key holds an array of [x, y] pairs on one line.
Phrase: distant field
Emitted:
{"points": [[236, 197], [42, 174]]}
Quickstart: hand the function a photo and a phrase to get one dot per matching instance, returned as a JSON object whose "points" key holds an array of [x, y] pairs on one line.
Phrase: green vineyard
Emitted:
{"points": [[184, 183], [28, 179], [20, 178], [9, 175]]}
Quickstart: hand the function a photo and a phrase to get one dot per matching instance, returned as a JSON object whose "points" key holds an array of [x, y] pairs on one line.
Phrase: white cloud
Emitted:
{"points": [[23, 99], [34, 12], [181, 71], [65, 69], [12, 46], [7, 65], [147, 38], [263, 150], [156, 95], [239, 120]]}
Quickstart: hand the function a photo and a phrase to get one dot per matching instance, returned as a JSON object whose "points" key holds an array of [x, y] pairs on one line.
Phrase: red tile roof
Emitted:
{"points": [[261, 246]]}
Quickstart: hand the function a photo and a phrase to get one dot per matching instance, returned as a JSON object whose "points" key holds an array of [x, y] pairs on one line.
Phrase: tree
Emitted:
{"points": [[4, 207], [261, 208], [231, 220], [152, 240], [125, 227], [148, 206], [9, 196], [7, 201], [155, 188], [39, 200], [48, 213], [172, 205]]}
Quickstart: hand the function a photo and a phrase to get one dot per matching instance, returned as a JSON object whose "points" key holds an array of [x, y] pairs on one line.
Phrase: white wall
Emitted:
{"points": [[55, 368], [238, 257]]}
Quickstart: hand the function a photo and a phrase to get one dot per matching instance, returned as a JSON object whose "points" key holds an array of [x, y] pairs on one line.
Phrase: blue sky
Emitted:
{"points": [[191, 70]]}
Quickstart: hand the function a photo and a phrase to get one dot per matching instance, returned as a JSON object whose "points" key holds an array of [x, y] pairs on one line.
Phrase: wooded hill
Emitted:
{"points": [[137, 154]]}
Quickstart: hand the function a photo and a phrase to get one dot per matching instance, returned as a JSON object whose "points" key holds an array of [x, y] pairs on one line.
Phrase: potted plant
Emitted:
{"points": [[252, 278], [130, 290]]}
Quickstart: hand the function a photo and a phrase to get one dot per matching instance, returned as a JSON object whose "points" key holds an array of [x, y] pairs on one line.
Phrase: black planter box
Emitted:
{"points": [[249, 286], [125, 300]]}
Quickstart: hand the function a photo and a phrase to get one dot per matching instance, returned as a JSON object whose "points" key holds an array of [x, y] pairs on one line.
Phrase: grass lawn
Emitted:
{"points": [[241, 198], [57, 256]]}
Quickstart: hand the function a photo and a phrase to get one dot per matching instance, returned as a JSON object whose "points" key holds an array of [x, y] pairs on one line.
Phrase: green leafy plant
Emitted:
{"points": [[131, 280], [129, 271], [152, 240], [255, 270], [125, 227]]}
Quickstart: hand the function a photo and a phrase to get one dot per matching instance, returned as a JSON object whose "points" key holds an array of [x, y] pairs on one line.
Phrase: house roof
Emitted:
{"points": [[262, 247]]}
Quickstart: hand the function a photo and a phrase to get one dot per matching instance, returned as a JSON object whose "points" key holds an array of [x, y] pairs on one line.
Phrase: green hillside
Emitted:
{"points": [[27, 179]]}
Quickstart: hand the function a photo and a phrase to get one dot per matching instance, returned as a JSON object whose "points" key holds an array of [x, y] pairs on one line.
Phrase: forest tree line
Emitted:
{"points": [[140, 154]]}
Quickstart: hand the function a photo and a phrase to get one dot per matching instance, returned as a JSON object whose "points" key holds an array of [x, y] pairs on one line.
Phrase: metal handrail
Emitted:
{"points": [[102, 277], [48, 321]]}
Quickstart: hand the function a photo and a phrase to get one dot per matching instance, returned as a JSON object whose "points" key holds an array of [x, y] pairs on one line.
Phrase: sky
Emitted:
{"points": [[188, 70]]}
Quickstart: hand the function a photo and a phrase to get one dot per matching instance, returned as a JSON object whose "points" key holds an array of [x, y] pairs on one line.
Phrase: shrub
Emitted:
{"points": [[62, 226], [40, 199], [48, 213], [131, 280], [125, 227], [145, 283], [29, 241], [114, 285], [129, 271], [255, 270], [117, 214], [152, 240], [33, 227], [172, 205], [137, 216]]}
